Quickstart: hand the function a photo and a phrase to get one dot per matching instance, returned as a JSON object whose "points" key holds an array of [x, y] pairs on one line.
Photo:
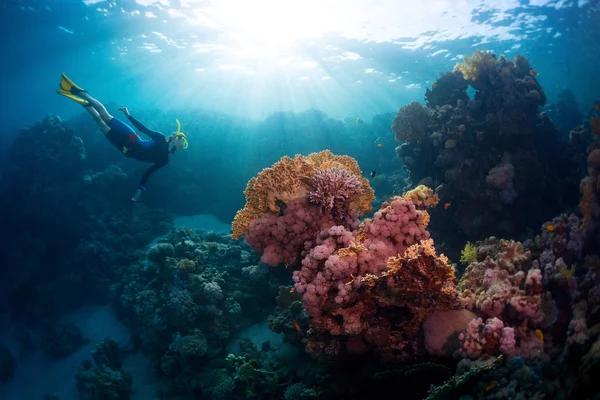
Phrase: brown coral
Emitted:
{"points": [[419, 280], [589, 204], [593, 159], [410, 123]]}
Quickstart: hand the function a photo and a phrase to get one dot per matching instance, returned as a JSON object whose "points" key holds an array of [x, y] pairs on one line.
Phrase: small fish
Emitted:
{"points": [[532, 82], [540, 335], [358, 121], [447, 205], [550, 228], [597, 106], [533, 72], [297, 327], [373, 173], [490, 387], [196, 259], [379, 144], [434, 85], [125, 150]]}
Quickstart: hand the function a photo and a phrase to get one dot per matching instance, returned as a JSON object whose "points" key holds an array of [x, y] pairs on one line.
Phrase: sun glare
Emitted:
{"points": [[270, 23]]}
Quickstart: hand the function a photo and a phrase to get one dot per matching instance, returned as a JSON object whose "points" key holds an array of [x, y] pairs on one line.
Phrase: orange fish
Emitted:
{"points": [[550, 228], [379, 144], [540, 335], [597, 106], [533, 72], [447, 205], [490, 387], [297, 327]]}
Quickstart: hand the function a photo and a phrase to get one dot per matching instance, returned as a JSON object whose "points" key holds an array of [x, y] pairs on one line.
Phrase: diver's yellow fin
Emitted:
{"points": [[68, 85], [71, 96]]}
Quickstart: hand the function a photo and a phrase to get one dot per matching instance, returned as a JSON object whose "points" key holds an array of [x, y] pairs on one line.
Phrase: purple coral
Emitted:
{"points": [[334, 189]]}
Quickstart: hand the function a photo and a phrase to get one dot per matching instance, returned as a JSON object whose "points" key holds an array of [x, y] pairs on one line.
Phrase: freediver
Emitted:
{"points": [[155, 150]]}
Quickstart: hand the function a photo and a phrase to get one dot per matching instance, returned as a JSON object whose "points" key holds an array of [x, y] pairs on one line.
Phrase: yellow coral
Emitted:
{"points": [[422, 197], [290, 179], [472, 68], [351, 250], [567, 273], [426, 218], [468, 254]]}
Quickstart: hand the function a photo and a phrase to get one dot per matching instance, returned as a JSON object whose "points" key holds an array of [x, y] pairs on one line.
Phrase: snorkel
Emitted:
{"points": [[178, 140]]}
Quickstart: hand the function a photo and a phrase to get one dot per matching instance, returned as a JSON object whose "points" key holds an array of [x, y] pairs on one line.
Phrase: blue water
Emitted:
{"points": [[254, 58], [251, 82]]}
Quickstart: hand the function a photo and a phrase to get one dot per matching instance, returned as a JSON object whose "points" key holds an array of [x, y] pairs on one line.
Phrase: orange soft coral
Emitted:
{"points": [[422, 197], [290, 179], [283, 182]]}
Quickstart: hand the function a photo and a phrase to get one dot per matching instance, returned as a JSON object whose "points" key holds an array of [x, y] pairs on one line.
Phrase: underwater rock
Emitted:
{"points": [[62, 340], [103, 377], [442, 329], [8, 364]]}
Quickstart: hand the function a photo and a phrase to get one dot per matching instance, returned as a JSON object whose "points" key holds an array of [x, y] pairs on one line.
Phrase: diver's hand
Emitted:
{"points": [[125, 111], [137, 195]]}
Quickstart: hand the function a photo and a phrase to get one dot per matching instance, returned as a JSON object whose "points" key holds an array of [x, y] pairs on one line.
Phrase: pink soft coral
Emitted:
{"points": [[282, 238], [334, 189]]}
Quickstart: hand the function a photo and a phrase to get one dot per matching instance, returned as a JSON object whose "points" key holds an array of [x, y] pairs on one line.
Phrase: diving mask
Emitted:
{"points": [[178, 140]]}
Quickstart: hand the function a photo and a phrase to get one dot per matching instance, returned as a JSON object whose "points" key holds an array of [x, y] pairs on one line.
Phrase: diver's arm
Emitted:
{"points": [[145, 177], [142, 128], [149, 172]]}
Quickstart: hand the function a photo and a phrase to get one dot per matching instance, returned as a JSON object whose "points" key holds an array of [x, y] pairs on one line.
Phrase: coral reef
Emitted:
{"points": [[66, 229], [104, 378], [289, 180], [351, 277], [488, 156]]}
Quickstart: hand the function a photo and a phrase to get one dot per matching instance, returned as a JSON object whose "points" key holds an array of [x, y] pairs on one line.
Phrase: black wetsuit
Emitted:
{"points": [[155, 150]]}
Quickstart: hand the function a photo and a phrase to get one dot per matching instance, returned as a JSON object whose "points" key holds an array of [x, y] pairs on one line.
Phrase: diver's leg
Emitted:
{"points": [[99, 120], [98, 107]]}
